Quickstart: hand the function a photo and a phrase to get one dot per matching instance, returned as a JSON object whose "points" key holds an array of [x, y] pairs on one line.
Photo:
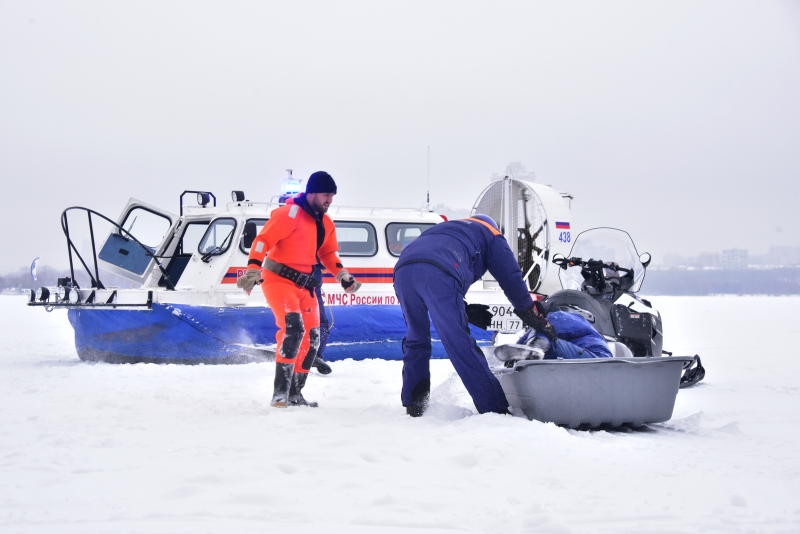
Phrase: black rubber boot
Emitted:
{"points": [[322, 366], [284, 373], [296, 391]]}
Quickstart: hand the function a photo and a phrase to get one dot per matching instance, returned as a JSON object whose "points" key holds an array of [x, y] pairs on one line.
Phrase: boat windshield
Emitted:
{"points": [[611, 245]]}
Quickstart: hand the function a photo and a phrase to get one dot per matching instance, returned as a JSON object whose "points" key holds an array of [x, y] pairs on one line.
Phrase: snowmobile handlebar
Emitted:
{"points": [[575, 261]]}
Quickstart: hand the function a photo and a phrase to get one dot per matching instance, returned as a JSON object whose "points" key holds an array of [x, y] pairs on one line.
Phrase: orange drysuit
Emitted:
{"points": [[295, 237]]}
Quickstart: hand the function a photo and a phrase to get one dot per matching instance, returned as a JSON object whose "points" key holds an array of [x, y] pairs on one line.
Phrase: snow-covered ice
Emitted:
{"points": [[168, 448]]}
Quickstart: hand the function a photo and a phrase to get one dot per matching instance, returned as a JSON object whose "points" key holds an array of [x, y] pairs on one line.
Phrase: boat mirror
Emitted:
{"points": [[249, 234], [645, 258], [237, 196]]}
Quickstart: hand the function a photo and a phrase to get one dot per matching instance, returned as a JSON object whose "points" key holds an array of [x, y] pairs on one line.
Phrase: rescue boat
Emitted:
{"points": [[184, 306]]}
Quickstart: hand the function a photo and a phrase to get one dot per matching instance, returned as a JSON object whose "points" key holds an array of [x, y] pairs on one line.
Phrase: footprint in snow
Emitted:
{"points": [[287, 468], [467, 460]]}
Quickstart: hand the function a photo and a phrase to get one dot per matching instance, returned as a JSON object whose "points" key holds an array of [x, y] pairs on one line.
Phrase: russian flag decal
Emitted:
{"points": [[562, 225]]}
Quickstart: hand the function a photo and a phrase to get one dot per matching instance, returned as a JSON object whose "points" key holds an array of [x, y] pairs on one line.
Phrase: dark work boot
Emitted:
{"points": [[416, 409], [419, 399], [283, 382], [296, 391], [322, 366]]}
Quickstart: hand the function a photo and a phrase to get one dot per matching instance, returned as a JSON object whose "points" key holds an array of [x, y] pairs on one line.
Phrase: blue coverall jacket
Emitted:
{"points": [[577, 338], [465, 249], [432, 276]]}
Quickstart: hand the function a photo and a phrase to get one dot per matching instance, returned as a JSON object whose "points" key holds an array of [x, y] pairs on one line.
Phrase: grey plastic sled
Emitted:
{"points": [[594, 392]]}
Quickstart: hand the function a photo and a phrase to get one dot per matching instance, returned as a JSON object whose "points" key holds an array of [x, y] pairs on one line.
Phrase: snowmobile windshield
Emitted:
{"points": [[609, 245]]}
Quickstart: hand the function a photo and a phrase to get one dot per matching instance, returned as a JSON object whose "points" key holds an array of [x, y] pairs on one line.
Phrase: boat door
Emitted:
{"points": [[129, 252]]}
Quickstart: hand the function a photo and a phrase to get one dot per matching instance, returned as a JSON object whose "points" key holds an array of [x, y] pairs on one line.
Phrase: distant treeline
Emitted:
{"points": [[22, 279], [777, 281], [48, 276]]}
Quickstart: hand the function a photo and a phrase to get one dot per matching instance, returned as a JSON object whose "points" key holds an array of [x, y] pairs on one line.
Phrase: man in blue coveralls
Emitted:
{"points": [[432, 276]]}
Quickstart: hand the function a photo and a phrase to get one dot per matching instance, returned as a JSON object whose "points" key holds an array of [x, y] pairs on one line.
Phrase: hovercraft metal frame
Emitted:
{"points": [[70, 284]]}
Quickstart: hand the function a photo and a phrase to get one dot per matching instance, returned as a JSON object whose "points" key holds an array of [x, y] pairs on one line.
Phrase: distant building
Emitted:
{"points": [[671, 261], [707, 260], [517, 171], [783, 256], [734, 259]]}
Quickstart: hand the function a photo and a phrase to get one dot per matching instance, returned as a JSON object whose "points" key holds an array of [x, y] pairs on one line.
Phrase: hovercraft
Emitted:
{"points": [[161, 287]]}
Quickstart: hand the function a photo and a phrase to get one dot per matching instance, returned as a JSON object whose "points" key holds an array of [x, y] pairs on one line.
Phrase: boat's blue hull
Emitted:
{"points": [[202, 334]]}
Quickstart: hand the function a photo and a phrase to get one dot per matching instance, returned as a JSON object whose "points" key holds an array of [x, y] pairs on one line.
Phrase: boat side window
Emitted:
{"points": [[218, 237], [190, 240], [356, 238], [399, 235], [147, 226], [259, 225]]}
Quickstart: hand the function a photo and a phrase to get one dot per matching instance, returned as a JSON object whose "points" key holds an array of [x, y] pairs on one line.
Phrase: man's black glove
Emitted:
{"points": [[479, 315], [349, 284], [534, 317]]}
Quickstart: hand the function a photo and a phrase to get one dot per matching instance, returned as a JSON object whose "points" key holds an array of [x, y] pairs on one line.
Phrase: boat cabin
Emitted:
{"points": [[205, 248]]}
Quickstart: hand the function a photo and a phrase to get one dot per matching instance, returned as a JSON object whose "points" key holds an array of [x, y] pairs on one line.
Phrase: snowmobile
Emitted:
{"points": [[600, 280]]}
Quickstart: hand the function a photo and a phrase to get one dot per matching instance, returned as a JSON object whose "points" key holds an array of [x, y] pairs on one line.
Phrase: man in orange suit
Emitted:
{"points": [[296, 237]]}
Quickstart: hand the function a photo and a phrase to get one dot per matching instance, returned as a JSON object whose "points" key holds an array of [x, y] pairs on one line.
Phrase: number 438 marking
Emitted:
{"points": [[564, 237]]}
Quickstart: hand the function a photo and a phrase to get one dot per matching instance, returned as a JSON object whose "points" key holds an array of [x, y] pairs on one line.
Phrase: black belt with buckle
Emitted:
{"points": [[301, 279]]}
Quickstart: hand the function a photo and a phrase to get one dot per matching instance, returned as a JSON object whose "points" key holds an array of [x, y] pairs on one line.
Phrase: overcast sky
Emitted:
{"points": [[679, 121]]}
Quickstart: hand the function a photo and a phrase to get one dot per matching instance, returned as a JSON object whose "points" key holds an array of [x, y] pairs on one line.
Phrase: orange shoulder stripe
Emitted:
{"points": [[487, 225]]}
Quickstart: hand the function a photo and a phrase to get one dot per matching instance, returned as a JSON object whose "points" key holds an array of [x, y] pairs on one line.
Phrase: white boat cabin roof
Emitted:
{"points": [[260, 209]]}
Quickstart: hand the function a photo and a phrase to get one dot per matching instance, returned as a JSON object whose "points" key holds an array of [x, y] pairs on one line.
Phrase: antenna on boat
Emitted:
{"points": [[428, 180]]}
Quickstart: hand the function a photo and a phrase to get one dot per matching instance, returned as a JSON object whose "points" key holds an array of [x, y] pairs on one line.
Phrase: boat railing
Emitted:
{"points": [[94, 274]]}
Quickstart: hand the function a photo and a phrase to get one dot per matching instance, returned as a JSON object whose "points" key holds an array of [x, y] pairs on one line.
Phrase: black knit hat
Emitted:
{"points": [[320, 182]]}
